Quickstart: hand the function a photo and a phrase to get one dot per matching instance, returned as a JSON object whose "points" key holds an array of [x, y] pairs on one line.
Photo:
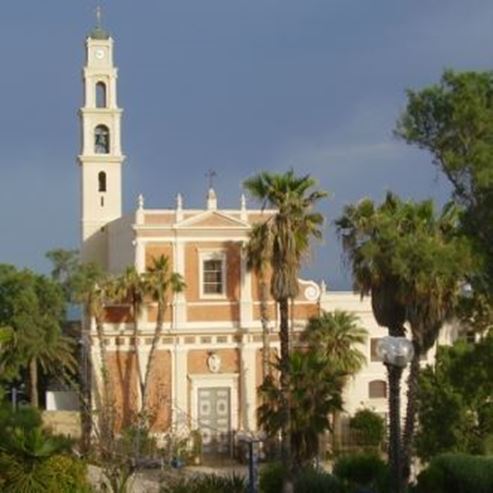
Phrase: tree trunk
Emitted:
{"points": [[264, 319], [135, 309], [286, 455], [155, 340], [412, 388], [33, 382], [336, 432], [86, 411], [107, 411], [394, 377]]}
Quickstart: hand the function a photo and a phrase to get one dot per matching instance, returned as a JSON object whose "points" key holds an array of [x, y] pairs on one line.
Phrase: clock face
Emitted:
{"points": [[99, 54]]}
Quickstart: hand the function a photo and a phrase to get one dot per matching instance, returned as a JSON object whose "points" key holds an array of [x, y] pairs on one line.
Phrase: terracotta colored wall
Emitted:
{"points": [[213, 313], [156, 250], [233, 268], [152, 313], [117, 314], [122, 371], [197, 361], [159, 398], [306, 311]]}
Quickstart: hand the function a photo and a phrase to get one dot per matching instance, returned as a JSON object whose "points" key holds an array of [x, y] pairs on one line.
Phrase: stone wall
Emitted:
{"points": [[63, 422]]}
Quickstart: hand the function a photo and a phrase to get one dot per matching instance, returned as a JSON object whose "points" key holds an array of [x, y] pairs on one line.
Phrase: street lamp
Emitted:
{"points": [[396, 353]]}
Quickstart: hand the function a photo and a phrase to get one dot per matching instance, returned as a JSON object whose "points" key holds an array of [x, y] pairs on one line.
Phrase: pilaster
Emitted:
{"points": [[249, 386], [246, 305]]}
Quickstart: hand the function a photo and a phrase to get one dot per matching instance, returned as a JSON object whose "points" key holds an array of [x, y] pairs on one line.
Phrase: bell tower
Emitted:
{"points": [[101, 156]]}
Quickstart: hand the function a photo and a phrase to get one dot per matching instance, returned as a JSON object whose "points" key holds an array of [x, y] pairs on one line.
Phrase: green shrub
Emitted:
{"points": [[69, 473], [370, 427], [459, 473], [33, 460], [313, 481], [271, 478], [307, 481], [57, 474], [26, 418], [207, 483], [361, 470]]}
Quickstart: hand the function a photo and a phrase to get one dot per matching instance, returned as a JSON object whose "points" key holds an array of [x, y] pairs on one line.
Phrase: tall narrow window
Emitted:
{"points": [[213, 274], [101, 140], [101, 95], [102, 181]]}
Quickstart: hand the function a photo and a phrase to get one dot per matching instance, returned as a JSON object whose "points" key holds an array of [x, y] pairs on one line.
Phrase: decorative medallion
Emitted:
{"points": [[312, 292], [214, 363]]}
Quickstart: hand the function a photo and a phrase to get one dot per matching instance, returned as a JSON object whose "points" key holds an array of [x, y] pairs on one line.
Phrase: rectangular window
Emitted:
{"points": [[212, 274], [213, 277]]}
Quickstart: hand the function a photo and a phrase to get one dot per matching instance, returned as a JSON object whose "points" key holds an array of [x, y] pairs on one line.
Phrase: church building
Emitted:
{"points": [[208, 364]]}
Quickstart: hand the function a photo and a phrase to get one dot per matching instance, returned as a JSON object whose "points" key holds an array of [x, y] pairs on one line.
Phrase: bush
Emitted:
{"points": [[308, 481], [33, 460], [362, 470], [370, 427], [207, 483], [58, 474], [26, 418], [271, 478], [459, 473], [69, 473], [313, 481]]}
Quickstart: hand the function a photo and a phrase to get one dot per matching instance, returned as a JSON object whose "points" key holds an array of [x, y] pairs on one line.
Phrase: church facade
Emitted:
{"points": [[208, 364]]}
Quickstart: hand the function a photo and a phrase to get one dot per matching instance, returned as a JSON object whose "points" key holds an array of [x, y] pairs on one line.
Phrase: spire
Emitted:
{"points": [[211, 194], [243, 215], [179, 208], [139, 213], [98, 16], [211, 200], [98, 32]]}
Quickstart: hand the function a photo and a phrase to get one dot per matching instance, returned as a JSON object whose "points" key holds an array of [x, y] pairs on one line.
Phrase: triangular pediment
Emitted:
{"points": [[212, 220]]}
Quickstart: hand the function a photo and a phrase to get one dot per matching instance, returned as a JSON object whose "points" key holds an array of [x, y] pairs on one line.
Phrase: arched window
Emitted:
{"points": [[377, 389], [101, 95], [102, 181], [101, 140]]}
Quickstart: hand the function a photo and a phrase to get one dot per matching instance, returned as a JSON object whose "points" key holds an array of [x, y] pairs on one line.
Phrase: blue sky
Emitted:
{"points": [[235, 85]]}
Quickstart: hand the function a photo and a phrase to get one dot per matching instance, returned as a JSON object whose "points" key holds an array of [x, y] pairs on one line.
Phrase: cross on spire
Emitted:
{"points": [[210, 175], [98, 15]]}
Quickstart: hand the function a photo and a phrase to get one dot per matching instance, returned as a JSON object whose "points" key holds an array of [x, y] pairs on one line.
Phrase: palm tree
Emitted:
{"points": [[290, 229], [258, 261], [94, 289], [433, 261], [161, 283], [24, 460], [132, 289], [369, 238], [336, 337], [413, 264], [316, 388]]}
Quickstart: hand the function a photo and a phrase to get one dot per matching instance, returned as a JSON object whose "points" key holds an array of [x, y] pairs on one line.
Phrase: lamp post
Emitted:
{"points": [[396, 353]]}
